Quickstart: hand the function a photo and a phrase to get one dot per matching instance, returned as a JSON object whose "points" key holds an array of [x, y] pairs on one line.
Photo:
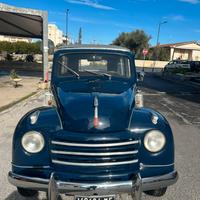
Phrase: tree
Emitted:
{"points": [[80, 36], [158, 53], [136, 41], [20, 47]]}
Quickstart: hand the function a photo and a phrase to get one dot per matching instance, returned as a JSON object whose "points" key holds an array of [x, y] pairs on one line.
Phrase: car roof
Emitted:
{"points": [[93, 47]]}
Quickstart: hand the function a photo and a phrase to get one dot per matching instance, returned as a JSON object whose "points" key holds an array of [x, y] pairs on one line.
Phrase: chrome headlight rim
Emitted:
{"points": [[35, 135], [154, 135]]}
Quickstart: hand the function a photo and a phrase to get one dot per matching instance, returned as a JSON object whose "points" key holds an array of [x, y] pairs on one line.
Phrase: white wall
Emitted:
{"points": [[151, 63], [196, 55]]}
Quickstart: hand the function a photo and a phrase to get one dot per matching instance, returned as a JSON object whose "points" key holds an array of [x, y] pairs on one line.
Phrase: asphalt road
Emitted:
{"points": [[180, 104]]}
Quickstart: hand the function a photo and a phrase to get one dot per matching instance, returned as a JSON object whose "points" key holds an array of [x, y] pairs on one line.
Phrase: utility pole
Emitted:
{"points": [[157, 44], [67, 26], [159, 27], [80, 36]]}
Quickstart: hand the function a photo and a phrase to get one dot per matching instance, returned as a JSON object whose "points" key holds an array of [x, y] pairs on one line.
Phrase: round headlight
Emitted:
{"points": [[33, 142], [154, 141]]}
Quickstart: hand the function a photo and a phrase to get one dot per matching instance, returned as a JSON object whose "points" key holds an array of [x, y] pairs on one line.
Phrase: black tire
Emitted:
{"points": [[27, 193], [156, 193]]}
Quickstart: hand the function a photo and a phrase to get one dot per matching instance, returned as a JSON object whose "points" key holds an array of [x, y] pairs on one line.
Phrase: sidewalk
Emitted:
{"points": [[9, 95]]}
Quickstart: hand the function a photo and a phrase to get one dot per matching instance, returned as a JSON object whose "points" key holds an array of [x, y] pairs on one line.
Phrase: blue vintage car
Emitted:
{"points": [[96, 141]]}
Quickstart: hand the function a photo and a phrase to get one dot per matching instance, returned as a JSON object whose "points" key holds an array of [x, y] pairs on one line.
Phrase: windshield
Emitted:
{"points": [[91, 64]]}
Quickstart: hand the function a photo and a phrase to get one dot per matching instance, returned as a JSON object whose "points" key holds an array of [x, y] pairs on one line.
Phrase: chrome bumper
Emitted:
{"points": [[55, 187]]}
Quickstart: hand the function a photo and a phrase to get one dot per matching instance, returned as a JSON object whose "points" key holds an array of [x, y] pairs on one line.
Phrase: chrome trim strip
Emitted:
{"points": [[95, 48], [93, 154], [61, 125], [95, 145], [31, 167], [137, 130], [151, 166], [94, 164], [130, 120]]}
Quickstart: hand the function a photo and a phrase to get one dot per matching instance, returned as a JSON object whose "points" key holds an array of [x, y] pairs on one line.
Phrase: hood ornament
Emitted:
{"points": [[96, 117]]}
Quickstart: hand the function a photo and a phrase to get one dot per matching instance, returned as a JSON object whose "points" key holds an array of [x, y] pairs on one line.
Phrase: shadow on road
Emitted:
{"points": [[16, 196], [184, 91]]}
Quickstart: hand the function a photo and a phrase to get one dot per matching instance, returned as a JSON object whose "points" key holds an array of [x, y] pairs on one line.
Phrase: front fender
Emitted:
{"points": [[47, 123], [153, 163]]}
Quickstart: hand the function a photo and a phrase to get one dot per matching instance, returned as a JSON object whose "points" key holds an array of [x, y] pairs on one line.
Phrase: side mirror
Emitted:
{"points": [[140, 76]]}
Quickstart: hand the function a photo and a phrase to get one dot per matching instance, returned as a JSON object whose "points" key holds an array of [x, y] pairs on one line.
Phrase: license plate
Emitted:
{"points": [[95, 197]]}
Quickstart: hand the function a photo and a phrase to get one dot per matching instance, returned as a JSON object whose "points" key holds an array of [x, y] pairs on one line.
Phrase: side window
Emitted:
{"points": [[123, 67]]}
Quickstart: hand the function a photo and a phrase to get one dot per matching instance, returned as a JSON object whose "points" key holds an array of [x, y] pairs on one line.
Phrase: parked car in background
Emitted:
{"points": [[176, 64], [183, 65], [97, 140]]}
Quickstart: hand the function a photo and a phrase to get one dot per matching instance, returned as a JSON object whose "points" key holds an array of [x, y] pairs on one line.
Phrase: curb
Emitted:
{"points": [[6, 107]]}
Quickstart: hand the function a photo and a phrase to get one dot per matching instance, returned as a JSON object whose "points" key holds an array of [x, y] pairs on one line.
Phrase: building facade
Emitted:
{"points": [[14, 39], [183, 50], [55, 34]]}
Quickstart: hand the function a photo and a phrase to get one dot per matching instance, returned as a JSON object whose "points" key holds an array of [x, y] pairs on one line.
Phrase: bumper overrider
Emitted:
{"points": [[56, 187]]}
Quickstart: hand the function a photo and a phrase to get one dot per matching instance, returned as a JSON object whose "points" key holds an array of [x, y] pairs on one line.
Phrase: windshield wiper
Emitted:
{"points": [[100, 74], [71, 70]]}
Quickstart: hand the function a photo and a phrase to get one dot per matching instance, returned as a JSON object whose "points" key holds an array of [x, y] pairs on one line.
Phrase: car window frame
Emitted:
{"points": [[55, 71]]}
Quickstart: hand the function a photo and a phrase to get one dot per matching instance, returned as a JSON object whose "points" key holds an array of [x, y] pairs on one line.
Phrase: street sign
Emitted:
{"points": [[145, 52]]}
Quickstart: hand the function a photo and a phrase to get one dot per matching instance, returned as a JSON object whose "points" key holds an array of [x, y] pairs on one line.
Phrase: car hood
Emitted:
{"points": [[77, 110]]}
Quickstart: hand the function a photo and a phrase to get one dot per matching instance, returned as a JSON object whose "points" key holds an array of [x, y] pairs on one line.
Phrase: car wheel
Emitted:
{"points": [[156, 193], [27, 193]]}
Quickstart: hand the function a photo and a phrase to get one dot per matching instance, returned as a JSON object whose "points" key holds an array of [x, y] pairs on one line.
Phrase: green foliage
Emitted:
{"points": [[13, 74], [136, 41], [157, 53], [20, 47]]}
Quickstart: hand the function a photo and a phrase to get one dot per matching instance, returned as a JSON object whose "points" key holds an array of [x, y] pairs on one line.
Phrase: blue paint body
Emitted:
{"points": [[72, 121]]}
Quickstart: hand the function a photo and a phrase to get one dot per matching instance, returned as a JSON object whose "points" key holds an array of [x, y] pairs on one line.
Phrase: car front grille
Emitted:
{"points": [[94, 154]]}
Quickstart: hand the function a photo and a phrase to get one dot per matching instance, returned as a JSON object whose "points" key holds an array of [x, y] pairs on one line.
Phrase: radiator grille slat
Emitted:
{"points": [[94, 164], [94, 154], [95, 145]]}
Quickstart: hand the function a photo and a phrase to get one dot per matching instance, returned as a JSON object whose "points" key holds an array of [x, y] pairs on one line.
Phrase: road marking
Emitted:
{"points": [[170, 93], [153, 94], [177, 114]]}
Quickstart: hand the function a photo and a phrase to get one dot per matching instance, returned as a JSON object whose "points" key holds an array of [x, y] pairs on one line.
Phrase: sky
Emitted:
{"points": [[103, 20]]}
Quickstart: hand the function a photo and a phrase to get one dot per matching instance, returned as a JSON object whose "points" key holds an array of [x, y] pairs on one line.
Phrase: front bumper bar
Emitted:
{"points": [[55, 187]]}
